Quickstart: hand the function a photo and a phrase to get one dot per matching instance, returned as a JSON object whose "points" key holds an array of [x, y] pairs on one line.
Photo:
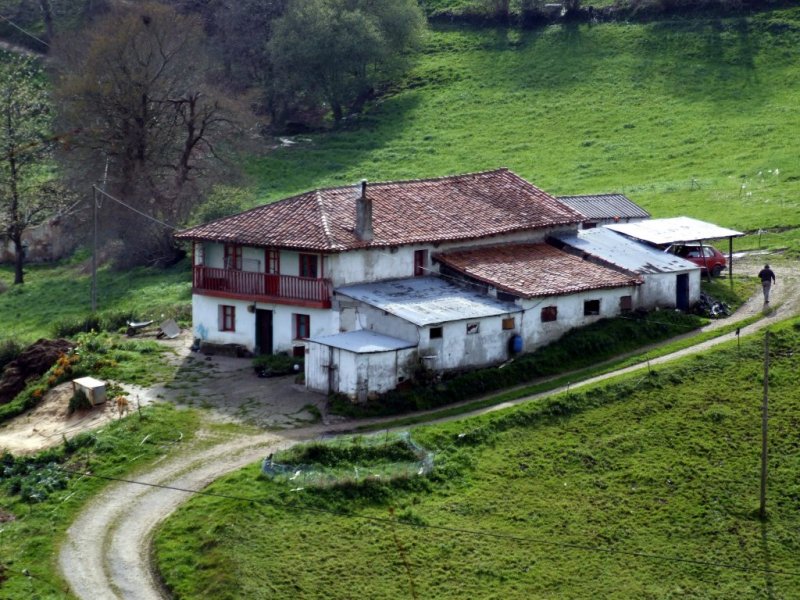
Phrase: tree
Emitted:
{"points": [[338, 51], [24, 143], [135, 89]]}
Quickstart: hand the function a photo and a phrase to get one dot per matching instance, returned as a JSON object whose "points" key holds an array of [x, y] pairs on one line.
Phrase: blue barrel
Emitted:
{"points": [[516, 344]]}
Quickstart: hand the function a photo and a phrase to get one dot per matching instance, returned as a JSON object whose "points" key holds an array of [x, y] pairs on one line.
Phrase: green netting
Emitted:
{"points": [[349, 459]]}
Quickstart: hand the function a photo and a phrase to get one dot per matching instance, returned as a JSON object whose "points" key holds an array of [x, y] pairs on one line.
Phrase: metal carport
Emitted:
{"points": [[662, 232]]}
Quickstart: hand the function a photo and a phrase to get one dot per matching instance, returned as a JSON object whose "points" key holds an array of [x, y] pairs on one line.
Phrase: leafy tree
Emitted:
{"points": [[148, 124], [24, 131], [338, 51]]}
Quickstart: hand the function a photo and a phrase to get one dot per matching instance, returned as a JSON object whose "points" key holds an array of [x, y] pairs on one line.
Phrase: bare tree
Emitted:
{"points": [[24, 129], [135, 89]]}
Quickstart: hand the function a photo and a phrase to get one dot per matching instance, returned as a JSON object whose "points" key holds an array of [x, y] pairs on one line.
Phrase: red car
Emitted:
{"points": [[705, 257]]}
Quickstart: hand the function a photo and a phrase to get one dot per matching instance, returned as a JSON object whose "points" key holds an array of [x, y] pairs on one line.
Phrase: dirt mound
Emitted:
{"points": [[34, 361]]}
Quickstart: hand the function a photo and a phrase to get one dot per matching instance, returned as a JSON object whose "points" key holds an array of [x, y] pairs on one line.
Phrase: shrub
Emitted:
{"points": [[277, 364], [9, 350], [79, 401]]}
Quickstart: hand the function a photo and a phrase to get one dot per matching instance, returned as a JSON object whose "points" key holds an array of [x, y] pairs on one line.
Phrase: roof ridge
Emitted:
{"points": [[419, 180], [326, 226]]}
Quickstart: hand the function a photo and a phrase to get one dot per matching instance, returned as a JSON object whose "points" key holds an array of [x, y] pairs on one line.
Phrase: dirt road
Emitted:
{"points": [[107, 551]]}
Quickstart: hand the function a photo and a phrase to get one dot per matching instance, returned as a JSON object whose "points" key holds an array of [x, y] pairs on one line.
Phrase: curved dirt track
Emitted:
{"points": [[107, 551]]}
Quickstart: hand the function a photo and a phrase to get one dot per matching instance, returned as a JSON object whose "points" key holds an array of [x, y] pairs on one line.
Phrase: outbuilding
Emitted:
{"points": [[668, 281], [358, 363]]}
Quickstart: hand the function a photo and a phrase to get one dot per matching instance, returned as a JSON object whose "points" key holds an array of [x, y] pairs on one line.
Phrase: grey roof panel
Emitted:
{"points": [[670, 231], [605, 206], [363, 342], [427, 300], [625, 253]]}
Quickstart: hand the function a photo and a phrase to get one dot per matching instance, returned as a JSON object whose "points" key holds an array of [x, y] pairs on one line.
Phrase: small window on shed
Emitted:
{"points": [[509, 323], [473, 328], [591, 307], [549, 313], [626, 303], [436, 333]]}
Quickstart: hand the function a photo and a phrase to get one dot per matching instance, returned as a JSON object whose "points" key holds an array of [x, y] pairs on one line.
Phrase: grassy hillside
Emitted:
{"points": [[679, 115], [57, 293], [579, 493]]}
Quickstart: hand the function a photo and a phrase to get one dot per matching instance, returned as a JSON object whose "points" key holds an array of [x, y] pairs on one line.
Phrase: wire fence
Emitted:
{"points": [[362, 458]]}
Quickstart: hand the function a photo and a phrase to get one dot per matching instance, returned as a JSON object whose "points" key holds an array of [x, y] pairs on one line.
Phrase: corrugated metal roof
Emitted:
{"points": [[626, 253], [460, 207], [605, 206], [363, 342], [670, 231], [534, 270], [427, 300]]}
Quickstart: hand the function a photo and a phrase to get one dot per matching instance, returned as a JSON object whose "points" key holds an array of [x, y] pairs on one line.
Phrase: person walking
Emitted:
{"points": [[767, 277]]}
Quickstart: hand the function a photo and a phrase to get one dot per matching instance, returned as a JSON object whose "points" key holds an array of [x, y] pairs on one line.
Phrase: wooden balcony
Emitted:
{"points": [[262, 287]]}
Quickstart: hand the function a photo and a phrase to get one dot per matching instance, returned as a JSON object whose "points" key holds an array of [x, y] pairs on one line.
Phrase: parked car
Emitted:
{"points": [[705, 257]]}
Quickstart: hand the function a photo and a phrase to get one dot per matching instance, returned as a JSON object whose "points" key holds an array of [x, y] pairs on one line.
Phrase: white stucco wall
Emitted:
{"points": [[536, 333], [205, 316], [379, 264], [660, 289], [356, 375], [457, 349]]}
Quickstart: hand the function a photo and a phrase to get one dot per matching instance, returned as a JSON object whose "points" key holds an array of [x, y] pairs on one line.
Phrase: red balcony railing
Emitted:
{"points": [[284, 289]]}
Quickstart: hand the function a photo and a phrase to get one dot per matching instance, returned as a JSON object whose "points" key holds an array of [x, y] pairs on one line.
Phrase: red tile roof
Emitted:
{"points": [[460, 207], [531, 270]]}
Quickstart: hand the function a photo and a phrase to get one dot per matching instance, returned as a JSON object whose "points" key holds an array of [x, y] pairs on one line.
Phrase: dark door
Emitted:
{"points": [[682, 292], [264, 331]]}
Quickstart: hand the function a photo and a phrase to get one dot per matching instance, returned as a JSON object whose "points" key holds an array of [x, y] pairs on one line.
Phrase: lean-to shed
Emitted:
{"points": [[358, 363]]}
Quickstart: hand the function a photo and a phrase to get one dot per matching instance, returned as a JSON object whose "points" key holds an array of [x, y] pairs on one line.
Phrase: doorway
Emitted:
{"points": [[682, 292], [263, 331]]}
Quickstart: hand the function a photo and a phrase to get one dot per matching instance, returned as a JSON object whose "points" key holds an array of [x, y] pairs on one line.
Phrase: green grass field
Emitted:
{"points": [[32, 529], [687, 118], [54, 293], [571, 497]]}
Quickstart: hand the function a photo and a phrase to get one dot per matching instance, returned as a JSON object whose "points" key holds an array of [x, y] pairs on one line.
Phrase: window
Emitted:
{"points": [[308, 265], [302, 327], [509, 323], [473, 328], [549, 313], [420, 262], [227, 318], [233, 257], [199, 254], [272, 261], [591, 307], [626, 303], [436, 333]]}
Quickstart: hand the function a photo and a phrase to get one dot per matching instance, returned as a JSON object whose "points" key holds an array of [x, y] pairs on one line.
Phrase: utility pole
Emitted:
{"points": [[94, 249], [762, 512]]}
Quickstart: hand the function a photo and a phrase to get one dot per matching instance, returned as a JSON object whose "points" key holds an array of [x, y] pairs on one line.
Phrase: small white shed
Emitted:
{"points": [[358, 363], [94, 389]]}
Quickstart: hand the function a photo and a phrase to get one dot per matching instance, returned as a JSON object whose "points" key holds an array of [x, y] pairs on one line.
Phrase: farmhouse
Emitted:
{"points": [[368, 281]]}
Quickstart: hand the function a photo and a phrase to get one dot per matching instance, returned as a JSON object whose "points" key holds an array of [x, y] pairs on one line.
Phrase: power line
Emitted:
{"points": [[28, 33], [450, 529], [128, 206]]}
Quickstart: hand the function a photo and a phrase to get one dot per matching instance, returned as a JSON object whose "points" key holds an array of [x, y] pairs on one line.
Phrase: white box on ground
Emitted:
{"points": [[94, 389]]}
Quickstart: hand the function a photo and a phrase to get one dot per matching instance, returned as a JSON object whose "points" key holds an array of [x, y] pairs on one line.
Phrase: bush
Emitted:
{"points": [[9, 350], [270, 365], [79, 401], [109, 321]]}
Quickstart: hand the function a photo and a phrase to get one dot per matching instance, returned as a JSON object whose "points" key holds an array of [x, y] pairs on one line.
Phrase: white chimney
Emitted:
{"points": [[364, 215]]}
